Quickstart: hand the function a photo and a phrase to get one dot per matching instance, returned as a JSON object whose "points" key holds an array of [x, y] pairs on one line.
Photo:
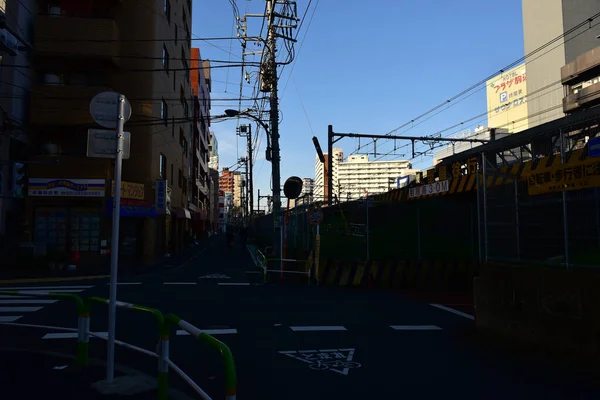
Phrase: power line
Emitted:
{"points": [[448, 102]]}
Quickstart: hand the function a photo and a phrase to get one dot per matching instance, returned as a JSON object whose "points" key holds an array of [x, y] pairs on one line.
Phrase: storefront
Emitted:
{"points": [[132, 230], [66, 215]]}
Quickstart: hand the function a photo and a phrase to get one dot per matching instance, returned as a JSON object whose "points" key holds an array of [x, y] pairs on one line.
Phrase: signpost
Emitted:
{"points": [[102, 143], [111, 110]]}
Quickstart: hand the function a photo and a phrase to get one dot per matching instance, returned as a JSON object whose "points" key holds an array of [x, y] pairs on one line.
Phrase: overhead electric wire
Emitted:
{"points": [[475, 92], [511, 65]]}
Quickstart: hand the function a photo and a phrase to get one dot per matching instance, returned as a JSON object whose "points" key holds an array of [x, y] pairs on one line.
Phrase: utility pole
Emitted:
{"points": [[245, 131], [250, 182], [271, 75]]}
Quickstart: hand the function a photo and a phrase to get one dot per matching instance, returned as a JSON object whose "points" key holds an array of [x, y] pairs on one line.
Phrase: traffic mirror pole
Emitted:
{"points": [[114, 253]]}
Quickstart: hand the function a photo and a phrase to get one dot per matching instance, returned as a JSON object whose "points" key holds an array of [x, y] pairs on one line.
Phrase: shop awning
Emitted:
{"points": [[183, 213], [133, 209]]}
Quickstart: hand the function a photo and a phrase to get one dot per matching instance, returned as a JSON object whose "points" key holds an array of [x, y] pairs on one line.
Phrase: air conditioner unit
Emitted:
{"points": [[54, 11], [52, 79], [52, 149]]}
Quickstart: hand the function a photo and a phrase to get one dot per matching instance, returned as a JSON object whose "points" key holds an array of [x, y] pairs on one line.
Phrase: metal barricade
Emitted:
{"points": [[230, 374], [162, 351]]}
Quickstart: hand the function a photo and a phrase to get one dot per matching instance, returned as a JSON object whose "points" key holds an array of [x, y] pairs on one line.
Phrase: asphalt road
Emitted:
{"points": [[298, 342]]}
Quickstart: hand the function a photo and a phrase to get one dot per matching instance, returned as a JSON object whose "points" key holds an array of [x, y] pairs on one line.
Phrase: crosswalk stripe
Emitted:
{"points": [[20, 309], [28, 301], [45, 287], [317, 328], [69, 335], [6, 318], [25, 292], [13, 297], [415, 327]]}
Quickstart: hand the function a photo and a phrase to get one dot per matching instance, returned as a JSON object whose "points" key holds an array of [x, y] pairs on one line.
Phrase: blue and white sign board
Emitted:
{"points": [[594, 147], [52, 187], [162, 197]]}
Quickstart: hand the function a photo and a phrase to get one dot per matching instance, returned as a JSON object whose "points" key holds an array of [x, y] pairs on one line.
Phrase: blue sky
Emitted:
{"points": [[365, 68]]}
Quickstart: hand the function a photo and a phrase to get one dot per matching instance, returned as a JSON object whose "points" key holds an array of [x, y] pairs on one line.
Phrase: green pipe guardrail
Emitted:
{"points": [[83, 315], [282, 270], [162, 353], [163, 347], [230, 374]]}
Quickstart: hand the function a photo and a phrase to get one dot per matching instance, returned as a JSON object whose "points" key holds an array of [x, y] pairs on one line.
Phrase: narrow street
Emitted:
{"points": [[298, 342]]}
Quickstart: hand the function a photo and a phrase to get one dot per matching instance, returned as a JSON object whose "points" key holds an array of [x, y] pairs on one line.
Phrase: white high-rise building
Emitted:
{"points": [[320, 183], [359, 177]]}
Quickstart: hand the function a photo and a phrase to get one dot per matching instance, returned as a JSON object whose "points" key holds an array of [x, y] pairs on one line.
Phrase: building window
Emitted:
{"points": [[167, 10], [162, 165], [176, 34], [164, 111], [173, 127], [172, 173], [165, 58], [180, 178]]}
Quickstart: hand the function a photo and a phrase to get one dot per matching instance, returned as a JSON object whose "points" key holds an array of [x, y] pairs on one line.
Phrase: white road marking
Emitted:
{"points": [[26, 292], [336, 360], [181, 332], [5, 296], [68, 335], [20, 309], [234, 284], [9, 319], [60, 367], [179, 283], [317, 328], [45, 287], [127, 283], [28, 301], [48, 327], [415, 327], [453, 311]]}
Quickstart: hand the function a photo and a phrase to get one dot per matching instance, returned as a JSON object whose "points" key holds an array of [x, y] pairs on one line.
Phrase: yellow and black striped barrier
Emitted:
{"points": [[405, 274], [503, 175]]}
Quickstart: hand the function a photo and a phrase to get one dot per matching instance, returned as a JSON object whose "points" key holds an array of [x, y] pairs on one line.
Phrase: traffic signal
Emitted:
{"points": [[19, 180]]}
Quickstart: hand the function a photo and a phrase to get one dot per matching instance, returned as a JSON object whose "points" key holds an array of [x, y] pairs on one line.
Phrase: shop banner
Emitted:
{"points": [[52, 187], [129, 190]]}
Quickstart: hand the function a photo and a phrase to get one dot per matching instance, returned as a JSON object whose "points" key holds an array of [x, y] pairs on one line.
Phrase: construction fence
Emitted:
{"points": [[545, 210]]}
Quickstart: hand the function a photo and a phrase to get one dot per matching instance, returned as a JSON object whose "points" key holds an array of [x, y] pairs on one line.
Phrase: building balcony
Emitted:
{"points": [[63, 105], [584, 98], [77, 37]]}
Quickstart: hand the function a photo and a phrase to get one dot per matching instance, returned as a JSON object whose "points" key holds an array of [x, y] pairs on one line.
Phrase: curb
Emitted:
{"points": [[66, 279]]}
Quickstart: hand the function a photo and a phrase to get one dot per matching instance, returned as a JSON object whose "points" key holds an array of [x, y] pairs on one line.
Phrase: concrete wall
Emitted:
{"points": [[574, 12], [542, 22]]}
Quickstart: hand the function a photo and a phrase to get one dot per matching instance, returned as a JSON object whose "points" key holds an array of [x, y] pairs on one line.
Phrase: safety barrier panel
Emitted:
{"points": [[405, 274], [162, 352]]}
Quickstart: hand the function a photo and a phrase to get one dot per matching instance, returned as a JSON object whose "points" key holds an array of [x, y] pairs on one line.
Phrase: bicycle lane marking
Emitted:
{"points": [[336, 360]]}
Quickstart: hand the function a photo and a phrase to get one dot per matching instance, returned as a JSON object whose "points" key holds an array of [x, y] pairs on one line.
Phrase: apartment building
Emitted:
{"points": [[359, 177], [226, 180], [15, 43], [199, 196], [320, 182], [544, 21], [140, 49]]}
